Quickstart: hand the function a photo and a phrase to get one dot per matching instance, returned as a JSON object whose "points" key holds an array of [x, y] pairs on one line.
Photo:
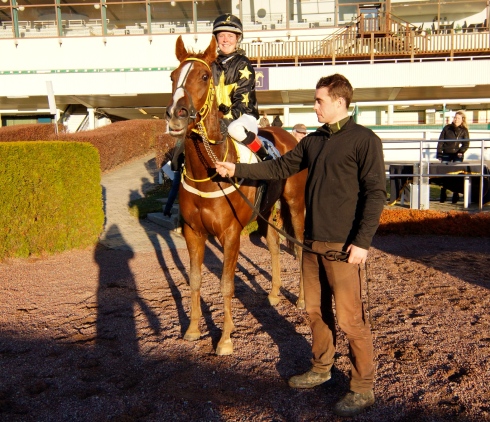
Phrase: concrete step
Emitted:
{"points": [[171, 223]]}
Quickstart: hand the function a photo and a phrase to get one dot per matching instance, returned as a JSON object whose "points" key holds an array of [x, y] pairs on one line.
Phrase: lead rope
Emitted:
{"points": [[205, 141], [365, 291], [330, 255]]}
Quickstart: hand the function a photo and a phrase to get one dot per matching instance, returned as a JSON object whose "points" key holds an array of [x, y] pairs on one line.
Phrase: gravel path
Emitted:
{"points": [[96, 335]]}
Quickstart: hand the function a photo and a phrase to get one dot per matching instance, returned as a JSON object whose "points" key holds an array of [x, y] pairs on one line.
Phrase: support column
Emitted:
{"points": [[91, 118], [15, 18], [390, 114], [286, 116]]}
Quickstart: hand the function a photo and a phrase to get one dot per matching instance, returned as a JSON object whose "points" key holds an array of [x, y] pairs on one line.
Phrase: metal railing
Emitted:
{"points": [[424, 163]]}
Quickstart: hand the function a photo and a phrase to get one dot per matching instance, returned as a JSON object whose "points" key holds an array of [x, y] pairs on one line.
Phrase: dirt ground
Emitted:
{"points": [[96, 335]]}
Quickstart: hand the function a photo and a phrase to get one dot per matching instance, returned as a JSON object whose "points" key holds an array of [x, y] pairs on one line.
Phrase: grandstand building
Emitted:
{"points": [[413, 63]]}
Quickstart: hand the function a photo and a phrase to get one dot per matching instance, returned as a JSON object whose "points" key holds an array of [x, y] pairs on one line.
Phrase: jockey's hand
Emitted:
{"points": [[357, 255], [225, 169]]}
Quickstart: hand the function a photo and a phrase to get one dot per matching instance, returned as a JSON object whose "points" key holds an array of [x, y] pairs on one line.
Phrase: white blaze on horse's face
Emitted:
{"points": [[179, 92]]}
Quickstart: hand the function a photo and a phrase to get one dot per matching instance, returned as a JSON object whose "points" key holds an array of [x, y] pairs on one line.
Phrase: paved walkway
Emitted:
{"points": [[123, 231]]}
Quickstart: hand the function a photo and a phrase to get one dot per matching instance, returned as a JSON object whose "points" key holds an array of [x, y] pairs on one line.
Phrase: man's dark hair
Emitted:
{"points": [[338, 87]]}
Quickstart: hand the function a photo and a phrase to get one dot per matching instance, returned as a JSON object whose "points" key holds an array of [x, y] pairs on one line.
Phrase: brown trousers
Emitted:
{"points": [[325, 280]]}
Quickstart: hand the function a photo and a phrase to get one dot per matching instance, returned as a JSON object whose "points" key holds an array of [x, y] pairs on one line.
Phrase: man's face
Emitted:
{"points": [[227, 42], [327, 109]]}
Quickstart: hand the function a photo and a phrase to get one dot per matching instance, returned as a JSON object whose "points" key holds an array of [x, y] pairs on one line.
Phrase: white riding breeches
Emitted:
{"points": [[237, 127]]}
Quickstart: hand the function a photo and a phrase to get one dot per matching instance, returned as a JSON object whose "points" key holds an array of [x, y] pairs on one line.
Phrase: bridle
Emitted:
{"points": [[200, 127], [204, 111]]}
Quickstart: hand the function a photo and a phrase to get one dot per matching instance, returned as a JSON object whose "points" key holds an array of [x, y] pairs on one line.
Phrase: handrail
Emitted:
{"points": [[411, 46], [481, 175]]}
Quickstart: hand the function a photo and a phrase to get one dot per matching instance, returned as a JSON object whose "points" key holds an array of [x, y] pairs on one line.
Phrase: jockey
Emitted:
{"points": [[234, 78]]}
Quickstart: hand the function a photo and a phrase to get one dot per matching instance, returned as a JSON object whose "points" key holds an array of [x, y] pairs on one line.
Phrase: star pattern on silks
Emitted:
{"points": [[223, 92], [245, 99], [245, 72]]}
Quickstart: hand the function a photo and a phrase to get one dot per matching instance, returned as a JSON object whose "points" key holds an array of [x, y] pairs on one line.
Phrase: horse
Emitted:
{"points": [[211, 205]]}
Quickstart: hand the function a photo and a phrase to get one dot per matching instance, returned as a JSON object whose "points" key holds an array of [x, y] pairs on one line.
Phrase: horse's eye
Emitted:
{"points": [[205, 77]]}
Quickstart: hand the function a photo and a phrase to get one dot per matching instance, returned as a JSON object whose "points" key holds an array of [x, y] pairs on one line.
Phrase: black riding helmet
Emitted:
{"points": [[228, 23]]}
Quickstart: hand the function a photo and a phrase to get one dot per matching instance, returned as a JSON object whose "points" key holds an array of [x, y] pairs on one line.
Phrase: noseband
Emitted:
{"points": [[204, 111]]}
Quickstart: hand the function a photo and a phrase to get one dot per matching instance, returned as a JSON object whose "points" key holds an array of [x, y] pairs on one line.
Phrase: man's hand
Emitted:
{"points": [[357, 255], [225, 169]]}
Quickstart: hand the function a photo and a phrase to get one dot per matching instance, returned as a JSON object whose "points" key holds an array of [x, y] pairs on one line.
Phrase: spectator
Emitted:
{"points": [[299, 131], [277, 122], [345, 195], [454, 143], [176, 158], [264, 121]]}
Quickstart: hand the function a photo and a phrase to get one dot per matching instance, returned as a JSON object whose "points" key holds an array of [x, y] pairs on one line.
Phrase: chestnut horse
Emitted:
{"points": [[211, 205]]}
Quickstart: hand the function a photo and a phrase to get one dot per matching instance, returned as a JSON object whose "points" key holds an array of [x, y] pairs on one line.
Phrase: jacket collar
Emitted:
{"points": [[335, 127]]}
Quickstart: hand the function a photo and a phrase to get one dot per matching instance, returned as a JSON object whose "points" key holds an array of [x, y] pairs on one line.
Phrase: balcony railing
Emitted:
{"points": [[349, 45]]}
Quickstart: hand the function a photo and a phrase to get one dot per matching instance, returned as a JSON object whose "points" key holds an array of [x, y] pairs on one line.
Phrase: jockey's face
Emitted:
{"points": [[227, 42]]}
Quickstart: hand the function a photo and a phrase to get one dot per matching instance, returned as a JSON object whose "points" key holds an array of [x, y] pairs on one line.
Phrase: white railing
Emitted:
{"points": [[421, 154]]}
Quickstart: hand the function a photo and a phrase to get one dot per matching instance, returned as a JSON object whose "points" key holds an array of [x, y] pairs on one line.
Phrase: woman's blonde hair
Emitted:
{"points": [[463, 115]]}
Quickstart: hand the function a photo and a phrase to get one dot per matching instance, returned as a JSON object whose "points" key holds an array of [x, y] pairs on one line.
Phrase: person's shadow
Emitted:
{"points": [[117, 298]]}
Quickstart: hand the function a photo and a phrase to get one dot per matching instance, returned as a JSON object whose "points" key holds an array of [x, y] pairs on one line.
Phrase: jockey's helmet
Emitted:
{"points": [[228, 23]]}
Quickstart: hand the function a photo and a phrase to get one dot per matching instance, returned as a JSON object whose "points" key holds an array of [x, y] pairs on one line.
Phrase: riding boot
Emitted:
{"points": [[255, 145], [443, 195]]}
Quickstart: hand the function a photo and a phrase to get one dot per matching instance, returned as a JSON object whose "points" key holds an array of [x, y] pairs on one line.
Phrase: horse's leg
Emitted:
{"points": [[273, 243], [231, 247], [195, 245]]}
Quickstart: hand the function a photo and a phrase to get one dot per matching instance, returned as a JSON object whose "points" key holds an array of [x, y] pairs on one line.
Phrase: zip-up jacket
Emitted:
{"points": [[346, 184], [451, 131]]}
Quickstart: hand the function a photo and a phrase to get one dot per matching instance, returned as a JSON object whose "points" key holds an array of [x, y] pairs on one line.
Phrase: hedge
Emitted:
{"points": [[117, 143], [50, 197], [429, 222]]}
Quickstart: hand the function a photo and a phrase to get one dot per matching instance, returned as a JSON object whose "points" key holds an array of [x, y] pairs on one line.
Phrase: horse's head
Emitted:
{"points": [[191, 88]]}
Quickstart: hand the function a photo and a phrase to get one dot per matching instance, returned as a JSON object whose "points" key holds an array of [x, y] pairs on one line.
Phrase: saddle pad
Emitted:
{"points": [[273, 151]]}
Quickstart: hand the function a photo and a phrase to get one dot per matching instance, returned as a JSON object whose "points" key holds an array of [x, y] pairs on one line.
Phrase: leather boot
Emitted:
{"points": [[255, 145], [354, 403], [443, 195], [309, 379]]}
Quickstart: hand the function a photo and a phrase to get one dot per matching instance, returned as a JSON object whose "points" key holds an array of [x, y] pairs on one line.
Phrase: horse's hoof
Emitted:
{"points": [[192, 336], [300, 304], [224, 349], [273, 300]]}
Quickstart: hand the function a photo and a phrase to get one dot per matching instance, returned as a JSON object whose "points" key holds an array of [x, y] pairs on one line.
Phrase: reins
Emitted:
{"points": [[330, 255]]}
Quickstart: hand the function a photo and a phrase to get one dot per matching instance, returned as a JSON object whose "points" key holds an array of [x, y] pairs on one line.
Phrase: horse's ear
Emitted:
{"points": [[210, 54], [180, 50]]}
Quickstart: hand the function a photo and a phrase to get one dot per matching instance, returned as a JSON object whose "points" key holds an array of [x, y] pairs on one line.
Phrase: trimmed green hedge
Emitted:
{"points": [[50, 197]]}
